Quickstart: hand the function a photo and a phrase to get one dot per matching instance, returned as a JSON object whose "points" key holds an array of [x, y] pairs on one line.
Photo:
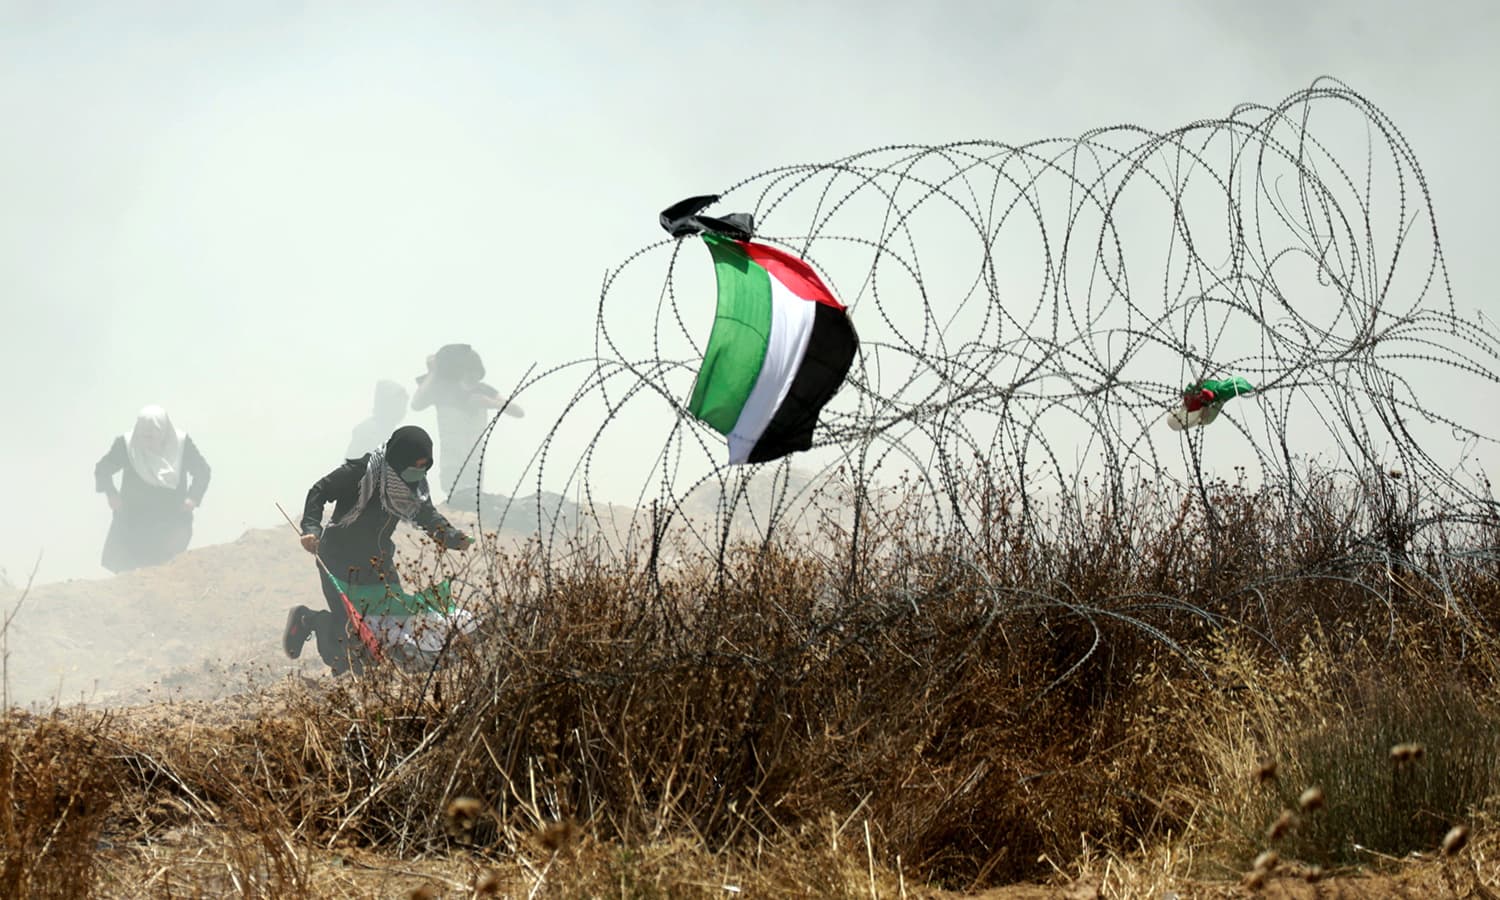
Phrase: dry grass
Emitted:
{"points": [[1122, 694]]}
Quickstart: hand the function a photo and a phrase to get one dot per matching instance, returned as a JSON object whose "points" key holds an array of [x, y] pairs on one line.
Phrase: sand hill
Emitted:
{"points": [[202, 625]]}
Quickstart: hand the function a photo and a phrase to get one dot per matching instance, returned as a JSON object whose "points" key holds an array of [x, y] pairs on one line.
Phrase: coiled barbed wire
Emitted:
{"points": [[1034, 310]]}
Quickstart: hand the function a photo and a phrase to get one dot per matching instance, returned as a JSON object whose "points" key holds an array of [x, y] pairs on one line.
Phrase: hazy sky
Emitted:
{"points": [[250, 212]]}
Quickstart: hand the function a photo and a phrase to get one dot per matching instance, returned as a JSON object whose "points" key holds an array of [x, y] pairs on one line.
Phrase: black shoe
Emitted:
{"points": [[296, 631]]}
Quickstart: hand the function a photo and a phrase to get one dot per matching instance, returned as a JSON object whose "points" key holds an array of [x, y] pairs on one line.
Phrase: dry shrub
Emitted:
{"points": [[206, 789], [1046, 687], [1379, 750], [1388, 806], [56, 792]]}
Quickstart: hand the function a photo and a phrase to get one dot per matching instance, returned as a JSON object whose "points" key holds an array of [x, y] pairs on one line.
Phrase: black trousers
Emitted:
{"points": [[338, 642]]}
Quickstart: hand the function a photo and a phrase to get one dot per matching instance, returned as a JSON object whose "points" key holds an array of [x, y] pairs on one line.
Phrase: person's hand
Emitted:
{"points": [[310, 543], [114, 501], [188, 505]]}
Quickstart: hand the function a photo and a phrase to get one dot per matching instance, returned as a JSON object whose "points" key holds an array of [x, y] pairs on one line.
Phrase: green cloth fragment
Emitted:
{"points": [[1223, 389], [383, 600]]}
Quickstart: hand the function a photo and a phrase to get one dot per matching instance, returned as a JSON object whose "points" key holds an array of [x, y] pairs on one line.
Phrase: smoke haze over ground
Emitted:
{"points": [[250, 215]]}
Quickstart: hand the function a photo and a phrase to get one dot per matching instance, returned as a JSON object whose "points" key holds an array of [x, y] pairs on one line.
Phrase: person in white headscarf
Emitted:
{"points": [[163, 479]]}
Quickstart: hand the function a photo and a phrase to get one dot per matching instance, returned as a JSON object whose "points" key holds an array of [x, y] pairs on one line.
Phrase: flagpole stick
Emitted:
{"points": [[366, 637]]}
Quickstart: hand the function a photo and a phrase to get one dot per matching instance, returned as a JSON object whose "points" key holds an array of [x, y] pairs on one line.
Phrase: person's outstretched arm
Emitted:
{"points": [[437, 526], [422, 397]]}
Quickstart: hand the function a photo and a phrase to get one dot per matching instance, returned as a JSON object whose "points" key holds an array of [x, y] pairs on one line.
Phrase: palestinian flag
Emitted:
{"points": [[779, 350], [1203, 400], [382, 600]]}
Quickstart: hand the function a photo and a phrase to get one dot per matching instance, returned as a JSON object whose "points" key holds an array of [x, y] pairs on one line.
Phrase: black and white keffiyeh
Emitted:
{"points": [[384, 483]]}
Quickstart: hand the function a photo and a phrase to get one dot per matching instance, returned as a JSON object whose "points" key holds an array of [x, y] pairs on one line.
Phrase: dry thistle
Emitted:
{"points": [[1455, 839], [1403, 753], [1266, 772], [1281, 826], [462, 815], [1255, 880], [489, 885], [1266, 862], [1311, 799], [425, 892], [1313, 874], [558, 835]]}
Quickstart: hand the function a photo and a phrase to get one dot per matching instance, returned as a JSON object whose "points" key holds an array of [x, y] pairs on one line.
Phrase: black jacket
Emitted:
{"points": [[133, 490], [365, 542]]}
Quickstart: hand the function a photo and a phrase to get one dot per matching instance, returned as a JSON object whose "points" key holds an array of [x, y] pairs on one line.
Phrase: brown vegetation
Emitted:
{"points": [[1236, 688]]}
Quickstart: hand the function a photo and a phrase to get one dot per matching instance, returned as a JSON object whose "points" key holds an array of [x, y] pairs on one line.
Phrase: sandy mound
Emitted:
{"points": [[204, 624]]}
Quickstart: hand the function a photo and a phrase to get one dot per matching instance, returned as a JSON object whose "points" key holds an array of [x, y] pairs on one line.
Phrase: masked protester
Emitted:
{"points": [[371, 495], [163, 480], [454, 386]]}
